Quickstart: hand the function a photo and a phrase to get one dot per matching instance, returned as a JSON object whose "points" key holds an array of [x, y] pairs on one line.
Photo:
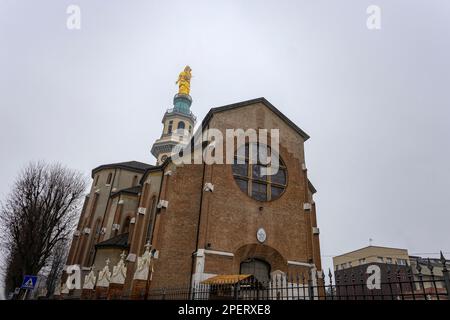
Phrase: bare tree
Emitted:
{"points": [[39, 215], [56, 266]]}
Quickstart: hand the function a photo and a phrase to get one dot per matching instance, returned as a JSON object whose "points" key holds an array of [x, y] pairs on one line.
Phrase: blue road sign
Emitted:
{"points": [[29, 282]]}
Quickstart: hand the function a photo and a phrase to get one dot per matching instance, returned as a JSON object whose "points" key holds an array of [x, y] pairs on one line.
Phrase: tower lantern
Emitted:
{"points": [[178, 121]]}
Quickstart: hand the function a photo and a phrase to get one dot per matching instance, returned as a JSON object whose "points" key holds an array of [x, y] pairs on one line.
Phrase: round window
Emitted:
{"points": [[253, 177]]}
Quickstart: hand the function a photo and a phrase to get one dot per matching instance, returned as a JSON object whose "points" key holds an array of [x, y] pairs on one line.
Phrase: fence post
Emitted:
{"points": [[310, 285], [446, 275], [236, 291]]}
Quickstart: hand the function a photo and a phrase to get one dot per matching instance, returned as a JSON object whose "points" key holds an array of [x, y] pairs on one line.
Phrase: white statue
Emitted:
{"points": [[143, 264], [104, 276], [119, 271], [89, 280]]}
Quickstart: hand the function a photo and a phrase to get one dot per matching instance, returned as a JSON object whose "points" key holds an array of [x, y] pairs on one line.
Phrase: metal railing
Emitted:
{"points": [[395, 283]]}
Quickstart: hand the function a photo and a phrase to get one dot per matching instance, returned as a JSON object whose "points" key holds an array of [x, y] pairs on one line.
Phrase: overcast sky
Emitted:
{"points": [[375, 102]]}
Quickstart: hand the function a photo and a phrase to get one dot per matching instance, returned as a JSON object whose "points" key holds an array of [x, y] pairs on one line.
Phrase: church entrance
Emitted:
{"points": [[260, 269]]}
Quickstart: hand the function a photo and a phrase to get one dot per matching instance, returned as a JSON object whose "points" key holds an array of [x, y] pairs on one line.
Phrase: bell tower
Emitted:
{"points": [[178, 121]]}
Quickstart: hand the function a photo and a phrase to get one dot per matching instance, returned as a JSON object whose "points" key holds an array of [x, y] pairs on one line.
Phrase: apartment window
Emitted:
{"points": [[108, 181], [389, 260], [401, 262], [169, 129]]}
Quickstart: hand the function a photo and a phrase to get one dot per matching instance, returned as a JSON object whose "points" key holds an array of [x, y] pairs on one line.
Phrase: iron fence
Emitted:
{"points": [[425, 279], [395, 283]]}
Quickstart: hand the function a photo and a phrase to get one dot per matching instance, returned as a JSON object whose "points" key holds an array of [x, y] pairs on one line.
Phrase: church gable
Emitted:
{"points": [[251, 104], [259, 114]]}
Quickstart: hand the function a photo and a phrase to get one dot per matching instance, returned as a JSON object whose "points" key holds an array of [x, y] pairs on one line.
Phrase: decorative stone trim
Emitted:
{"points": [[209, 187], [131, 257], [307, 206], [316, 231], [141, 210], [303, 264], [220, 253], [87, 230], [162, 204]]}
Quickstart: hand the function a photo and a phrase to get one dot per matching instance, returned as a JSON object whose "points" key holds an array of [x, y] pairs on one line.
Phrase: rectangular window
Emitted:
{"points": [[389, 260], [169, 129], [362, 261], [380, 259], [108, 181]]}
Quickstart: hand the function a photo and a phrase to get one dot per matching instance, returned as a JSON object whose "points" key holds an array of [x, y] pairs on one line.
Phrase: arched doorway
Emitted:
{"points": [[260, 269]]}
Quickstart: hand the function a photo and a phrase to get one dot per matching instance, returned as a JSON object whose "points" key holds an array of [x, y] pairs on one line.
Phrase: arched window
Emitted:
{"points": [[257, 267], [169, 128], [126, 225], [181, 125], [108, 181], [150, 220]]}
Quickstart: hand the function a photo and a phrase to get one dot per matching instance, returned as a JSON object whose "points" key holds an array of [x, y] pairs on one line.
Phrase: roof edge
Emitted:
{"points": [[262, 100], [116, 166]]}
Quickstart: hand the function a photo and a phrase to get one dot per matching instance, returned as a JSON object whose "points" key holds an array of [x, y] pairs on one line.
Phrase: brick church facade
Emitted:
{"points": [[145, 227]]}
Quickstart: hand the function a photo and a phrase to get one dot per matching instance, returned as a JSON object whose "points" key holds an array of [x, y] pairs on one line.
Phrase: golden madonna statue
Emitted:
{"points": [[184, 81]]}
